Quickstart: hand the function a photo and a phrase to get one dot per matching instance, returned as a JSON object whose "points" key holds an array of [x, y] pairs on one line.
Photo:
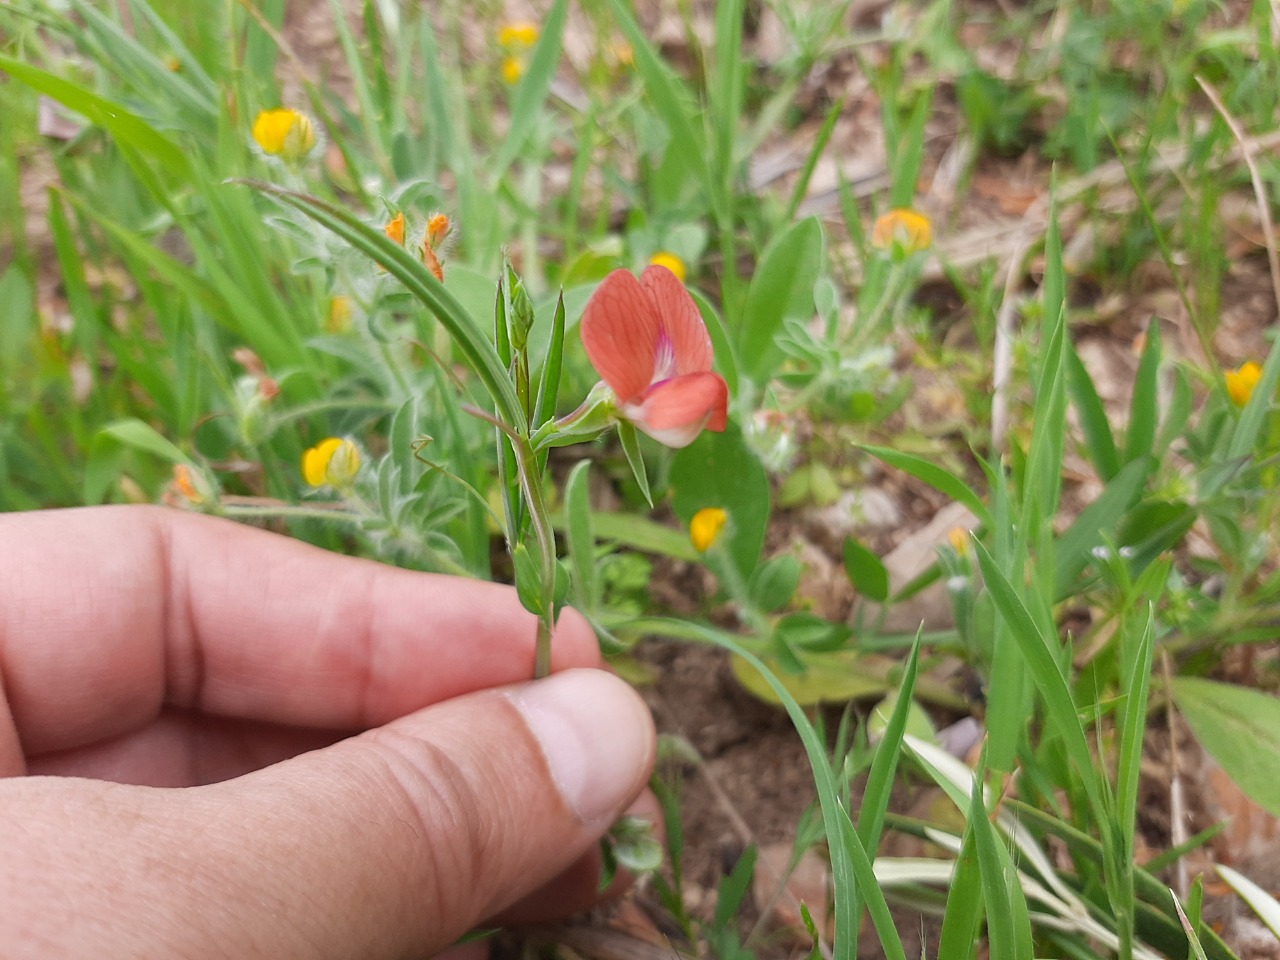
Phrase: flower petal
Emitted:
{"points": [[621, 332], [675, 411], [680, 318]]}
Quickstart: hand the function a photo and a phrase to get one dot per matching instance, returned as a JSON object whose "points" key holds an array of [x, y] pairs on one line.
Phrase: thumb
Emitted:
{"points": [[391, 843]]}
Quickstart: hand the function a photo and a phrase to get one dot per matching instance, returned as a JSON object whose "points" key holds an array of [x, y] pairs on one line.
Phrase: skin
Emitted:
{"points": [[217, 742]]}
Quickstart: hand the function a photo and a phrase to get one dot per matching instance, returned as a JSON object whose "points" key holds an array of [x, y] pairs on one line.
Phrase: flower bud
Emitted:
{"points": [[706, 526], [521, 316], [332, 462]]}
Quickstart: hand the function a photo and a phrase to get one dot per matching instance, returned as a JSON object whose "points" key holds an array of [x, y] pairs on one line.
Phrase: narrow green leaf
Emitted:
{"points": [[875, 796], [820, 142], [1178, 413], [84, 305], [725, 351], [531, 94], [188, 95], [579, 536], [635, 459], [672, 99], [549, 382], [1144, 408], [940, 479], [141, 436], [641, 533], [1253, 417], [1155, 915], [126, 127], [781, 287], [1099, 440], [1042, 661], [1002, 929], [963, 913], [528, 579], [727, 88], [102, 467], [908, 150], [1102, 517], [733, 888], [850, 863], [1197, 949]]}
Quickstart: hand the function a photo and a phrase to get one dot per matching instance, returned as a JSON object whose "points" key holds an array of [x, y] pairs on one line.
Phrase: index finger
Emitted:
{"points": [[109, 613]]}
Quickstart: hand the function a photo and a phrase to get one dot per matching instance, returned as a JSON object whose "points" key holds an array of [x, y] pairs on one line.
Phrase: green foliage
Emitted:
{"points": [[1241, 730], [154, 315]]}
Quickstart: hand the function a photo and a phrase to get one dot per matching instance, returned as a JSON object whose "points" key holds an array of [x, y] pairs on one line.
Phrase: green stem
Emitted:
{"points": [[286, 512], [736, 587], [540, 517]]}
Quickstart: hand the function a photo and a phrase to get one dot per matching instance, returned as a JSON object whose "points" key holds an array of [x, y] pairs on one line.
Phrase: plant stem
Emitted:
{"points": [[531, 485]]}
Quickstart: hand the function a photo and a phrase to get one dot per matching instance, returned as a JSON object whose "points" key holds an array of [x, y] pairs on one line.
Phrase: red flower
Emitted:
{"points": [[647, 341]]}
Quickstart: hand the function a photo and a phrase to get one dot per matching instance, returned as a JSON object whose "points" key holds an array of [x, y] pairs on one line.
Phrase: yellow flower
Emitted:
{"points": [[705, 527], [339, 320], [958, 537], [623, 53], [333, 462], [285, 133], [518, 34], [512, 70], [665, 258], [1241, 381], [903, 228]]}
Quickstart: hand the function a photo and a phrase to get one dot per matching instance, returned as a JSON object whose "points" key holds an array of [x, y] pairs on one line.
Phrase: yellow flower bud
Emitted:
{"points": [[332, 462], [187, 485], [706, 526], [665, 258], [1242, 381], [512, 70], [958, 537], [339, 320], [623, 54], [395, 229], [437, 229], [519, 34], [284, 133], [908, 230]]}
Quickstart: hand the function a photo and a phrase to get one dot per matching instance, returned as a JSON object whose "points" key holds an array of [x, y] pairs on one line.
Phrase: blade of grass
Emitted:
{"points": [[1041, 655], [850, 863], [531, 94], [1098, 438], [1144, 408], [125, 126], [940, 479], [1008, 925]]}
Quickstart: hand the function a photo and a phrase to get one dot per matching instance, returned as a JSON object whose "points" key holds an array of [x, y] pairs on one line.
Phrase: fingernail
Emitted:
{"points": [[596, 735]]}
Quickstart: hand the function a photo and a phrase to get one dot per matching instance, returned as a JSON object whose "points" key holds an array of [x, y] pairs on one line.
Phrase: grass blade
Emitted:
{"points": [[531, 94], [940, 479], [1144, 408]]}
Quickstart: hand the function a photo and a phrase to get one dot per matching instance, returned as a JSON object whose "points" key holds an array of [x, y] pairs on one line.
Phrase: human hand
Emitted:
{"points": [[357, 788]]}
